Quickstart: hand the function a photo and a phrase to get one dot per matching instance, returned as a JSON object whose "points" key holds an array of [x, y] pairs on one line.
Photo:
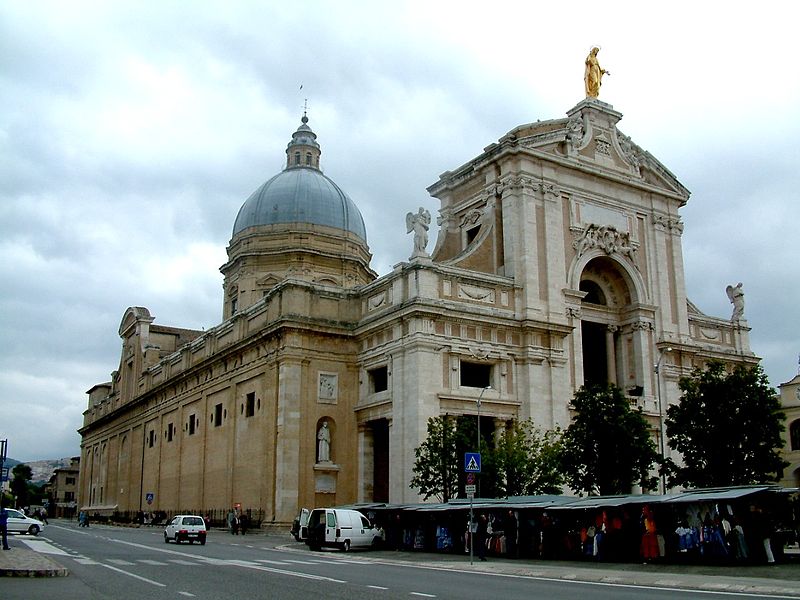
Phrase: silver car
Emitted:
{"points": [[19, 522]]}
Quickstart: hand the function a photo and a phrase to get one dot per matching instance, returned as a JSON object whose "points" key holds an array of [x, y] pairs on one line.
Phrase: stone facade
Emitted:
{"points": [[64, 489], [558, 262], [790, 402]]}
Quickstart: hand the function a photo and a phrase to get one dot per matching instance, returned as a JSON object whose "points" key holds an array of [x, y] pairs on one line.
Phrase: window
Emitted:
{"points": [[69, 496], [69, 481], [477, 375], [170, 432], [378, 379], [794, 435], [250, 407], [308, 159], [218, 415], [234, 306], [594, 294], [297, 158], [192, 424], [472, 233], [151, 438]]}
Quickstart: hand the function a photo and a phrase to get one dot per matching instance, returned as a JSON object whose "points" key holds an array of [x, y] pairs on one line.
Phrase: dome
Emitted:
{"points": [[301, 193]]}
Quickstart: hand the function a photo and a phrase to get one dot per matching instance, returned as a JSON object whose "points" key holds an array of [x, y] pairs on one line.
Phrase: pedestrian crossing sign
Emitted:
{"points": [[472, 462]]}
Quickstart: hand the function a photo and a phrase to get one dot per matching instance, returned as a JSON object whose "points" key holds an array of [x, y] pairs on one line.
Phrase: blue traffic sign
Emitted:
{"points": [[472, 462]]}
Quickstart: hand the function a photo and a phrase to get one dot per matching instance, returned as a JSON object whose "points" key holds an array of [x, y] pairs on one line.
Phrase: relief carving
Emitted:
{"points": [[606, 238], [377, 300], [475, 293]]}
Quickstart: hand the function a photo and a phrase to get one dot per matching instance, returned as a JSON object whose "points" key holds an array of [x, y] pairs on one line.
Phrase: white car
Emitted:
{"points": [[18, 522], [185, 528]]}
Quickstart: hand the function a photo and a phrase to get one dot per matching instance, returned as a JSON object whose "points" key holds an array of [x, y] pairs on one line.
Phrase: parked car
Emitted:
{"points": [[340, 528], [185, 528], [19, 522], [300, 525]]}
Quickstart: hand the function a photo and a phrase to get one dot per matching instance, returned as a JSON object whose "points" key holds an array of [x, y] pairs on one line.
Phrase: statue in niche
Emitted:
{"points": [[593, 73], [324, 443], [736, 296], [419, 224]]}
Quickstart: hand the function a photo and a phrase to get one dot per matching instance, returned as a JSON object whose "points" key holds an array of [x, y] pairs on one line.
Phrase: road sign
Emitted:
{"points": [[470, 478], [469, 489], [149, 496], [472, 462]]}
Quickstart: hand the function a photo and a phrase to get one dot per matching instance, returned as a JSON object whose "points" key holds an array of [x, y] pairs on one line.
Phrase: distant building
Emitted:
{"points": [[64, 489], [558, 263], [790, 401]]}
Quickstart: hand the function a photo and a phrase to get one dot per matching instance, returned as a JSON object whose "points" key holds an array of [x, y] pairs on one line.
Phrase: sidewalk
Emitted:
{"points": [[21, 561]]}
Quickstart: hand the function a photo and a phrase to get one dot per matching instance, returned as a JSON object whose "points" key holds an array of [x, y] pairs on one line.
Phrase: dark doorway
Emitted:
{"points": [[380, 471], [595, 363]]}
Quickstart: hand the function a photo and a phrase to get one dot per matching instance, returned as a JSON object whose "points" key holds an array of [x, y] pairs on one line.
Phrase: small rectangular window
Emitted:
{"points": [[192, 424], [472, 233], [234, 306], [218, 415], [250, 407], [378, 379], [477, 375], [170, 432], [151, 438], [70, 481]]}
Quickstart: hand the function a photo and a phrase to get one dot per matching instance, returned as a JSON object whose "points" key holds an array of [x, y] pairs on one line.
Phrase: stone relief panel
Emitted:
{"points": [[473, 292], [606, 238], [328, 388]]}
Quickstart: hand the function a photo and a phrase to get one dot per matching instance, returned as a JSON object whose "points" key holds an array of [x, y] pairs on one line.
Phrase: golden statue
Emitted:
{"points": [[593, 73]]}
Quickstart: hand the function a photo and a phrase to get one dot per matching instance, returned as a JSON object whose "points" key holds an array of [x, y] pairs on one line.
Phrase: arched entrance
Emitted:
{"points": [[608, 325]]}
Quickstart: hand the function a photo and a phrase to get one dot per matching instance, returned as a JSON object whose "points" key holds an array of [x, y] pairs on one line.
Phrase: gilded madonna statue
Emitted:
{"points": [[593, 74]]}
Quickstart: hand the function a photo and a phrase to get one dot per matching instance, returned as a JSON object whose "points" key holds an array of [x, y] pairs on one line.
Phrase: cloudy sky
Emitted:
{"points": [[131, 133]]}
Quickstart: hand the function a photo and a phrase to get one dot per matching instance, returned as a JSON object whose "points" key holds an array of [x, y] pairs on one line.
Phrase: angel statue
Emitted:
{"points": [[419, 223], [736, 296]]}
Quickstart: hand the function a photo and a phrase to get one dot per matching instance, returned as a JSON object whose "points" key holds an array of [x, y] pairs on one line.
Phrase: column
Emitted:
{"points": [[611, 355]]}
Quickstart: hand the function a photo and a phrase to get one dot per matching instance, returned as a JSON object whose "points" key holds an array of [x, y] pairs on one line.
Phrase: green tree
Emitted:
{"points": [[607, 448], [727, 427], [437, 460], [528, 461], [20, 486]]}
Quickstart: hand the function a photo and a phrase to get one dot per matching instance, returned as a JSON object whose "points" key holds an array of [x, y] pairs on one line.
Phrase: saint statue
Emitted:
{"points": [[324, 443], [419, 223], [736, 296], [593, 73]]}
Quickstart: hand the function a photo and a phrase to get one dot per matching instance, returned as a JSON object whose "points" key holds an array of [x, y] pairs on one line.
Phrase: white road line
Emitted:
{"points": [[423, 595], [186, 594], [150, 581], [155, 563], [299, 562], [377, 587], [121, 562], [43, 547], [188, 563], [86, 561], [270, 562]]}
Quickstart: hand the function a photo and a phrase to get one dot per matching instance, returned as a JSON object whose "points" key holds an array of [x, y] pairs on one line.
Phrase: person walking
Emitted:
{"points": [[4, 526], [480, 536], [233, 522]]}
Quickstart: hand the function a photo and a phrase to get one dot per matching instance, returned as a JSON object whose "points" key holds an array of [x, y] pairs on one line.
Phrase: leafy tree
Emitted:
{"points": [[607, 448], [727, 427], [21, 476], [437, 460], [527, 461]]}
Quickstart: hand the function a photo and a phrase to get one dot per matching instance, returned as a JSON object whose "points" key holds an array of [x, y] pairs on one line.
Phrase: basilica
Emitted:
{"points": [[557, 263]]}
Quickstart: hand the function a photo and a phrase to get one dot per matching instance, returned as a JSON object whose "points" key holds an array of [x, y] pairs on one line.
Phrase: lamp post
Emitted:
{"points": [[488, 387], [657, 368]]}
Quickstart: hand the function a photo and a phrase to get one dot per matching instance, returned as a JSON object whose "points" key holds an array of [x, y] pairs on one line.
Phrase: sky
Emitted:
{"points": [[132, 132]]}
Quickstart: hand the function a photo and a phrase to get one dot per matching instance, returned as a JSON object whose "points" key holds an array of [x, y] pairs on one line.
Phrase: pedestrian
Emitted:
{"points": [[4, 525], [43, 515], [480, 536], [233, 522], [510, 533], [244, 522]]}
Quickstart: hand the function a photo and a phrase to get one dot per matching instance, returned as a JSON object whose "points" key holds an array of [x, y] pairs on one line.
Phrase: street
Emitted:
{"points": [[130, 563]]}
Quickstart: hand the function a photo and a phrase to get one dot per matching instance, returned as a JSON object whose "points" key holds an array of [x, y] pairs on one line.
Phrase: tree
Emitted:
{"points": [[437, 460], [607, 448], [527, 461], [727, 427], [22, 474]]}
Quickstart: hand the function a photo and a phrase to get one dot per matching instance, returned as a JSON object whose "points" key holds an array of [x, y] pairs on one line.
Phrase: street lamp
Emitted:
{"points": [[478, 449], [657, 368]]}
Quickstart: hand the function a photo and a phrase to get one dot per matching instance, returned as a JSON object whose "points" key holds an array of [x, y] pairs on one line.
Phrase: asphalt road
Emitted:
{"points": [[128, 564]]}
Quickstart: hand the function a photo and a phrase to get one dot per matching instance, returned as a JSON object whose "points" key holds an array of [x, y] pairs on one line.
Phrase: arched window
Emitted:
{"points": [[297, 158], [308, 158], [794, 435], [593, 292]]}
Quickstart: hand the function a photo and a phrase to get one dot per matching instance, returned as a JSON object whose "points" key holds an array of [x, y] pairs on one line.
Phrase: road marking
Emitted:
{"points": [[188, 563], [271, 562], [186, 594], [150, 581], [43, 547], [423, 595], [121, 562], [300, 562], [86, 561], [377, 587]]}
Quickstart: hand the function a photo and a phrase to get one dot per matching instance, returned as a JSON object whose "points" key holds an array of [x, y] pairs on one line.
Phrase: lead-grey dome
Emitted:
{"points": [[301, 193]]}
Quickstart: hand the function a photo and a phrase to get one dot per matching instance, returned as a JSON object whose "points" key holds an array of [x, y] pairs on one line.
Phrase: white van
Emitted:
{"points": [[340, 528]]}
